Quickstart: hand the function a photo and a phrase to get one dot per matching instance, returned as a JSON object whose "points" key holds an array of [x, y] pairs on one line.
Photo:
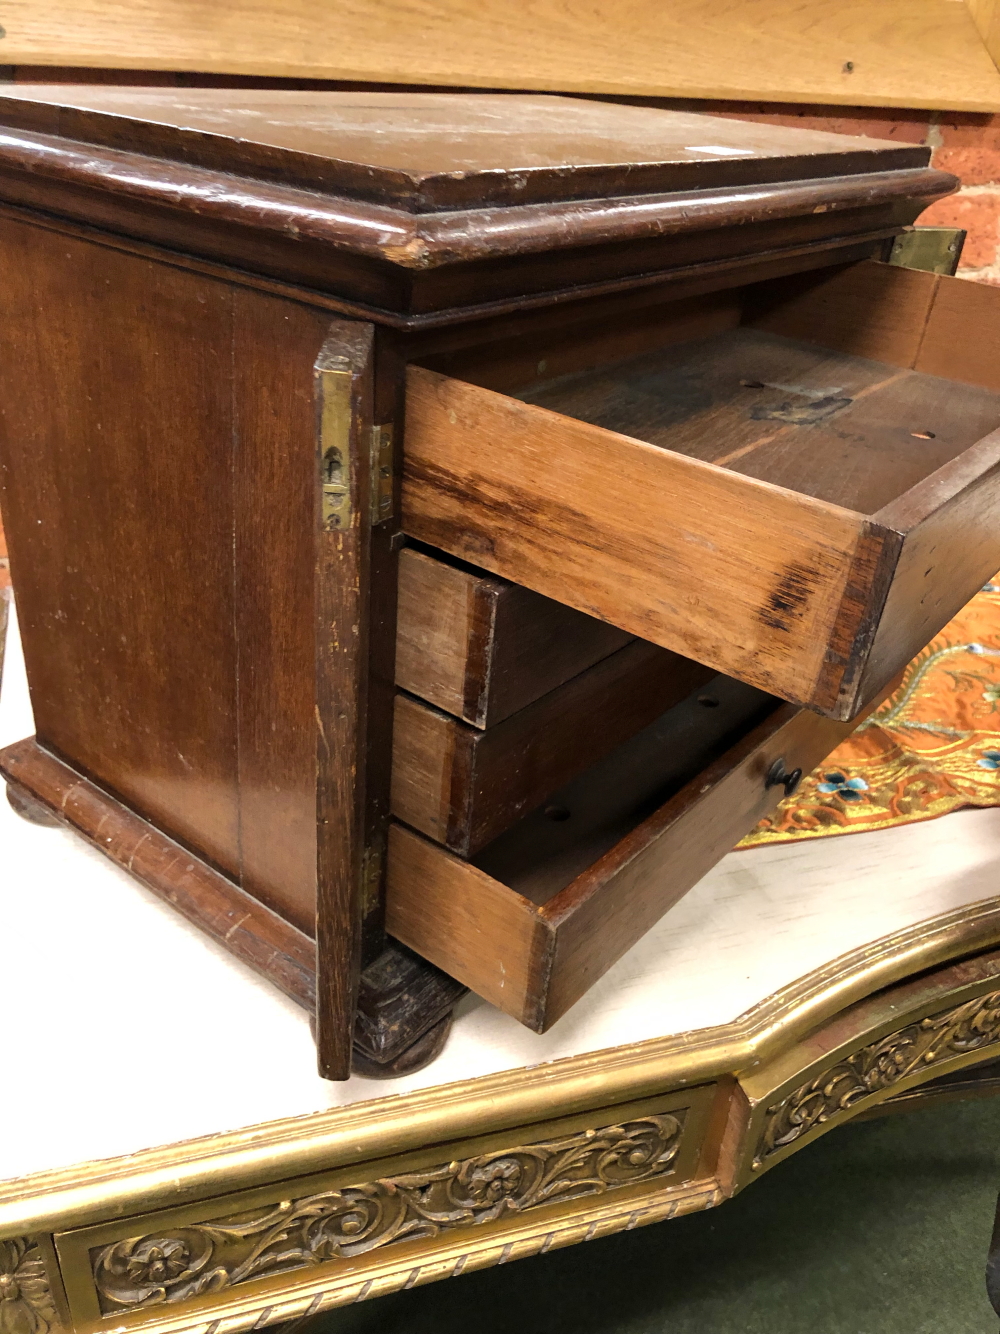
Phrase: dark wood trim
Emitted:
{"points": [[464, 325], [344, 388], [394, 261], [209, 900], [651, 164], [401, 997]]}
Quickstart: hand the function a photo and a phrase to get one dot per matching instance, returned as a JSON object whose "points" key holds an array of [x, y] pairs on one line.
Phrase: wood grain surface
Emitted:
{"points": [[117, 454], [273, 562], [672, 549], [809, 419], [916, 53], [248, 930], [343, 377], [569, 341], [482, 648], [398, 262], [962, 335], [430, 151], [870, 309], [463, 787], [853, 432]]}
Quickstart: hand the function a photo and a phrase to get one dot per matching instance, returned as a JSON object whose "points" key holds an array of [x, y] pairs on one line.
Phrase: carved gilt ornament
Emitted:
{"points": [[26, 1305], [878, 1066], [186, 1262]]}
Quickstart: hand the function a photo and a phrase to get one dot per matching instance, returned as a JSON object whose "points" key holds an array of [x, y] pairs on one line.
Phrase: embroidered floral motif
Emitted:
{"points": [[849, 789], [932, 748]]}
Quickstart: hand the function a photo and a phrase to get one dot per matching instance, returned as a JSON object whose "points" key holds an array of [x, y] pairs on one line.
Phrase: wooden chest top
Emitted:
{"points": [[409, 207], [434, 151]]}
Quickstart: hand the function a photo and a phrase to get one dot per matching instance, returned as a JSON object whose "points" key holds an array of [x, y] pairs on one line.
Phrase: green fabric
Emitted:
{"points": [[879, 1227]]}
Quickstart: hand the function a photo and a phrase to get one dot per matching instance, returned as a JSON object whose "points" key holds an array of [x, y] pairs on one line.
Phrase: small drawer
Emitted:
{"points": [[464, 786], [541, 913], [801, 500], [482, 648]]}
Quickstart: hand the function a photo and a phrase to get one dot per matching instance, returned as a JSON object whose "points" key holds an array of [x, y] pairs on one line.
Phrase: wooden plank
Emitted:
{"points": [[117, 467], [962, 337], [481, 648], [464, 921], [274, 347], [866, 310], [949, 550], [740, 575], [463, 787], [844, 429], [986, 17], [905, 53], [612, 905], [510, 364], [432, 151], [534, 959]]}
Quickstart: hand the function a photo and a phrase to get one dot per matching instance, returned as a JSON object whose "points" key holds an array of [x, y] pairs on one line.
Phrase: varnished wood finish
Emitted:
{"points": [[344, 414], [668, 548], [482, 648], [204, 648], [223, 754], [120, 451], [273, 577], [22, 803], [778, 576], [253, 933], [400, 997], [535, 959], [433, 151], [578, 231], [463, 787]]}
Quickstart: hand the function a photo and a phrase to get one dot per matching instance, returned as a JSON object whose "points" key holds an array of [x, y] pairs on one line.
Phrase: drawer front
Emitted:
{"points": [[482, 648], [463, 787], [534, 959], [794, 515]]}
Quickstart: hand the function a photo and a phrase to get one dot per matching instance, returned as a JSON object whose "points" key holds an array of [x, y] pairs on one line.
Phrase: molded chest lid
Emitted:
{"points": [[430, 152]]}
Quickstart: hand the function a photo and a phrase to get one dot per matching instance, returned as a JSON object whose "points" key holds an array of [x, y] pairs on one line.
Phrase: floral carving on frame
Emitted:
{"points": [[26, 1305], [185, 1262], [970, 1027]]}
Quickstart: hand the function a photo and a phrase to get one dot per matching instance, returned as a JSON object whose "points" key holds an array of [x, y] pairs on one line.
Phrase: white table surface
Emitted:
{"points": [[125, 1028]]}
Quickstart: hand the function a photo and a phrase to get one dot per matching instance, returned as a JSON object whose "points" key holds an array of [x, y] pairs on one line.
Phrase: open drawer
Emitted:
{"points": [[800, 499], [541, 913]]}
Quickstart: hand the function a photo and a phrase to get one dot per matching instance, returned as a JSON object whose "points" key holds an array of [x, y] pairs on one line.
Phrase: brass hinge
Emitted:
{"points": [[381, 468], [933, 249]]}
